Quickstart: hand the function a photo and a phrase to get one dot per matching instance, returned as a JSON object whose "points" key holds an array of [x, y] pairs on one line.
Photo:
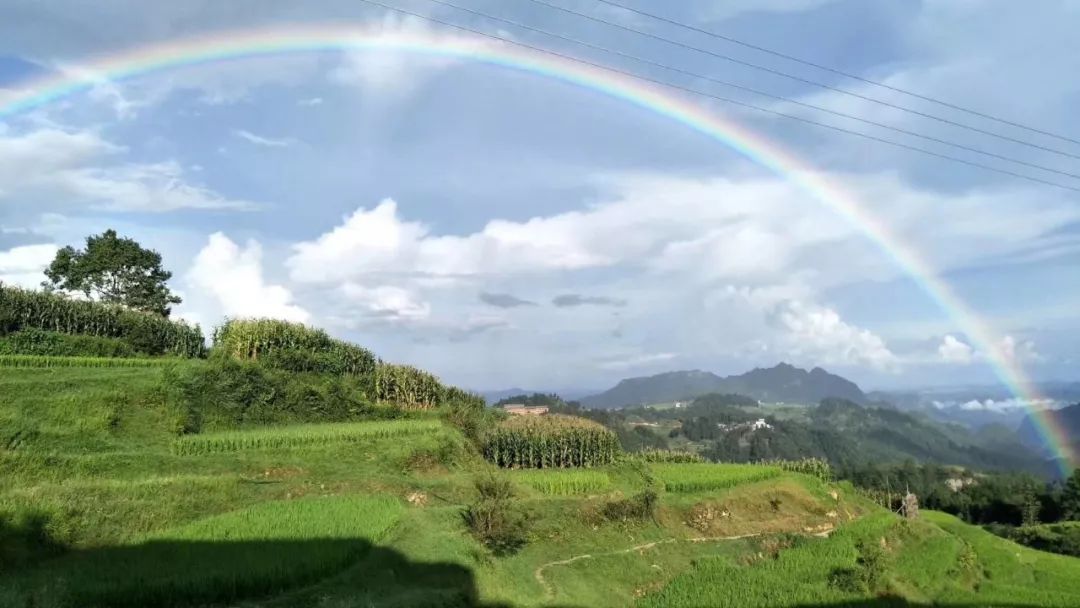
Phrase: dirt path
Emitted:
{"points": [[549, 591]]}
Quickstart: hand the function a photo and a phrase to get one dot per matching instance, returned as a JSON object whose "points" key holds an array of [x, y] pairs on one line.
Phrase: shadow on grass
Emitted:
{"points": [[196, 573], [897, 602]]}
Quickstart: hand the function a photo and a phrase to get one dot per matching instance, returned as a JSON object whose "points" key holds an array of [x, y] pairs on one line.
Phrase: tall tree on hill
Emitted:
{"points": [[1070, 496], [114, 269]]}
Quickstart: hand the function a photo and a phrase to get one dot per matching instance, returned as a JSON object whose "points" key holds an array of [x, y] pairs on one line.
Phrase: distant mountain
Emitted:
{"points": [[1066, 420], [783, 382]]}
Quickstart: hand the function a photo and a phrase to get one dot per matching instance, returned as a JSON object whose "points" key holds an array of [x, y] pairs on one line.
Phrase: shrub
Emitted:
{"points": [[224, 392], [49, 343], [494, 519], [638, 507], [550, 441], [148, 333]]}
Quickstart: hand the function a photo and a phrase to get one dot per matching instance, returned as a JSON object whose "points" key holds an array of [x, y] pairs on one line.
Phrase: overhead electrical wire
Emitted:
{"points": [[808, 81], [726, 83], [826, 68], [697, 92]]}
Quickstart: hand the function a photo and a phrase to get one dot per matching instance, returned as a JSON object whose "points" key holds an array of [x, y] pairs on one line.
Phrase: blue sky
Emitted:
{"points": [[502, 229]]}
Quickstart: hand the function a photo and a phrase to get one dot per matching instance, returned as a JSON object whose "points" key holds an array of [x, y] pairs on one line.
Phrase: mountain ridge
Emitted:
{"points": [[782, 382]]}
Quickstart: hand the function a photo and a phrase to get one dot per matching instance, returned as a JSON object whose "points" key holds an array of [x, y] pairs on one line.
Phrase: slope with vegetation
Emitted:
{"points": [[286, 468]]}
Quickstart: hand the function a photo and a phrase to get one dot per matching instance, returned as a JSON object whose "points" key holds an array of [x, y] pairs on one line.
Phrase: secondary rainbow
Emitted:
{"points": [[232, 45]]}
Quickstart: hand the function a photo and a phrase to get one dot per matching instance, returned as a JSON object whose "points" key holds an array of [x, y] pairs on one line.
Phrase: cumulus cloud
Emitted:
{"points": [[819, 333], [233, 275], [266, 142], [24, 265], [570, 300], [50, 165], [503, 300], [952, 350]]}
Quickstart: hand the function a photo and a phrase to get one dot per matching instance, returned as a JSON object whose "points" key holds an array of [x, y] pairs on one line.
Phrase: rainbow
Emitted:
{"points": [[222, 46]]}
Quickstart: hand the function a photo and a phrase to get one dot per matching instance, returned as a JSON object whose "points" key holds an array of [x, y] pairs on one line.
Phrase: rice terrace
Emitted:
{"points": [[792, 286]]}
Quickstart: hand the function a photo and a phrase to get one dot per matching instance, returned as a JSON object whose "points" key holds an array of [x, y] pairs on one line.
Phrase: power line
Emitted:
{"points": [[800, 78], [750, 89], [826, 68], [718, 97]]}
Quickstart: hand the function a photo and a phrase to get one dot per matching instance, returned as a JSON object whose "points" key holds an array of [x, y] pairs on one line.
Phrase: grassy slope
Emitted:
{"points": [[94, 454]]}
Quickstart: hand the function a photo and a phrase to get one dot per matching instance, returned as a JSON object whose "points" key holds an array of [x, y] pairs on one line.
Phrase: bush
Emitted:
{"points": [[50, 343], [550, 441], [224, 392], [494, 519], [638, 507], [22, 309]]}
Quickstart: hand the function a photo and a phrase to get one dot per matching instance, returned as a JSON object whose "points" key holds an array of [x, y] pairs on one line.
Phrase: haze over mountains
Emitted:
{"points": [[781, 383]]}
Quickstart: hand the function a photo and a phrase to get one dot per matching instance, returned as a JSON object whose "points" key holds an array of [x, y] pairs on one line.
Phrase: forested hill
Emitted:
{"points": [[783, 382], [1067, 419]]}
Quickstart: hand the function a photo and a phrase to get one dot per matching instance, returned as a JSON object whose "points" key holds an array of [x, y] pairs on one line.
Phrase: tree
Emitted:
{"points": [[1070, 496], [114, 269]]}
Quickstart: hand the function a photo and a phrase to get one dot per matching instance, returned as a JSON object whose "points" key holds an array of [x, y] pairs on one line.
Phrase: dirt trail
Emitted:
{"points": [[549, 591]]}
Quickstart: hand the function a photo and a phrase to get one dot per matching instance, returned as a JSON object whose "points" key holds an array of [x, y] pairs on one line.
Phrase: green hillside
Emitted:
{"points": [[99, 492], [283, 467]]}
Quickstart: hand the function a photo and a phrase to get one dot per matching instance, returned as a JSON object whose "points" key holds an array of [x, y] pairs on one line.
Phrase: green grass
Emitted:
{"points": [[299, 436], [563, 483], [259, 551], [698, 477], [38, 361]]}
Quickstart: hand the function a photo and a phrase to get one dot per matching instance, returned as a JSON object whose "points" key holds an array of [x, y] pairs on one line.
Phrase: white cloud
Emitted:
{"points": [[267, 142], [396, 73], [49, 165], [310, 102], [234, 277], [1019, 350], [953, 350], [24, 265], [387, 302], [636, 361], [819, 333]]}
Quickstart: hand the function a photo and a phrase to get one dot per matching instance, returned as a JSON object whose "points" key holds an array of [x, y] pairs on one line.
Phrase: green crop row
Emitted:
{"points": [[563, 483], [672, 456], [293, 346], [147, 333], [45, 361], [407, 386], [301, 436], [817, 467], [550, 441], [700, 477]]}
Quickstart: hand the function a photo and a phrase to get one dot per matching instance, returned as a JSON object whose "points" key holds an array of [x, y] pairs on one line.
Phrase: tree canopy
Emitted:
{"points": [[116, 270]]}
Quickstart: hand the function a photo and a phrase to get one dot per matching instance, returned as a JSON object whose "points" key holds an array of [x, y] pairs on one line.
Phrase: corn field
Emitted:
{"points": [[40, 361], [709, 476], [550, 441], [407, 387], [563, 483], [816, 467], [673, 456], [266, 338], [149, 333], [300, 436]]}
